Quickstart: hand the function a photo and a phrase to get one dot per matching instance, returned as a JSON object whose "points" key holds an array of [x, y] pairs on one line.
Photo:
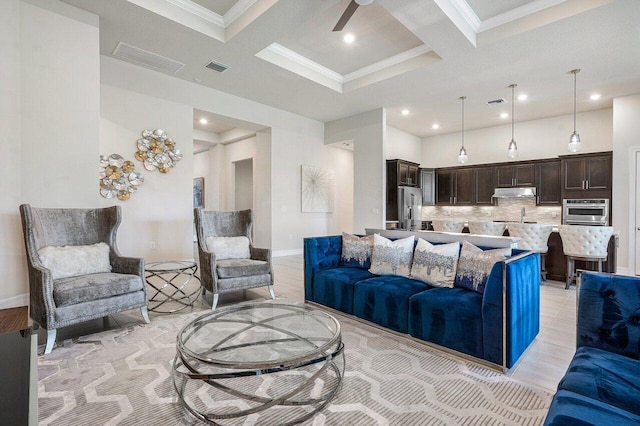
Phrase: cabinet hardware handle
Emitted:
{"points": [[587, 184], [454, 200]]}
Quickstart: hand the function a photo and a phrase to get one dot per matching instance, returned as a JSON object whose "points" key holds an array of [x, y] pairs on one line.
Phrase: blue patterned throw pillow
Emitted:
{"points": [[435, 264], [356, 251], [392, 257], [475, 264]]}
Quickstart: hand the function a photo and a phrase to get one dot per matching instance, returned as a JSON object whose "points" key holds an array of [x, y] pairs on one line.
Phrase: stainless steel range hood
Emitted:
{"points": [[521, 192]]}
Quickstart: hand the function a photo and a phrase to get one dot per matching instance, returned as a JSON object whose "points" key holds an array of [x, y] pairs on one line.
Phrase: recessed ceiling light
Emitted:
{"points": [[435, 126], [405, 112], [349, 38], [504, 115], [203, 121], [522, 97], [595, 96]]}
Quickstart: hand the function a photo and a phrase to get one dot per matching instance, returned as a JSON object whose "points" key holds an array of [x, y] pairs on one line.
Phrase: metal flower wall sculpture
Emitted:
{"points": [[157, 151], [118, 177]]}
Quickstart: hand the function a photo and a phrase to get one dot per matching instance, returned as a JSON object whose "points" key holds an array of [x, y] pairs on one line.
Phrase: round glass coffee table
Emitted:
{"points": [[169, 289], [268, 363]]}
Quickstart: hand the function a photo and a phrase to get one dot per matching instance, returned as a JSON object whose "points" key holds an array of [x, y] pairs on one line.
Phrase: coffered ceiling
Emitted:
{"points": [[415, 54]]}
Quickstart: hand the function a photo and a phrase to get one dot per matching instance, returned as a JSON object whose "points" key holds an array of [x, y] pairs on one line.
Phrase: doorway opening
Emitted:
{"points": [[243, 184]]}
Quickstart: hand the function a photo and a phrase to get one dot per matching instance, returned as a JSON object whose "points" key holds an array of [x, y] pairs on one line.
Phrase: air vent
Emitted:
{"points": [[497, 101], [144, 57], [217, 66]]}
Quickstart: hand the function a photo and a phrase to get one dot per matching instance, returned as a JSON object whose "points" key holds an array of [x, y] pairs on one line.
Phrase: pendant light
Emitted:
{"points": [[462, 157], [575, 144], [513, 148]]}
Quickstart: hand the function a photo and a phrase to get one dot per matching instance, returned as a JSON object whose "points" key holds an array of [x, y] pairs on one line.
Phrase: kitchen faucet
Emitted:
{"points": [[523, 213]]}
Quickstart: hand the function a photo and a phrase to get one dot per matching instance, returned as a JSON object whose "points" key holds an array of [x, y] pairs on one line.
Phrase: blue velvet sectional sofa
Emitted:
{"points": [[602, 384], [496, 326]]}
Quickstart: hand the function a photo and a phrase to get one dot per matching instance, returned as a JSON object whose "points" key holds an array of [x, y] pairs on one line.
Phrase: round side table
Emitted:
{"points": [[169, 289]]}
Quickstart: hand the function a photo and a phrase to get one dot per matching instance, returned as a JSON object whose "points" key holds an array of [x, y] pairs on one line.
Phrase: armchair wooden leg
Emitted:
{"points": [[51, 340], [273, 296], [214, 303], [145, 314]]}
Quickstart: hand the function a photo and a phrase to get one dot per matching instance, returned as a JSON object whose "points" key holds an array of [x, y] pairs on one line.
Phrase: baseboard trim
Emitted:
{"points": [[280, 253], [15, 301], [623, 271]]}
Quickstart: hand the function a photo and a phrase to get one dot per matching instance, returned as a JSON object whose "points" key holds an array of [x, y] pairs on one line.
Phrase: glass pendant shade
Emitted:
{"points": [[575, 144], [462, 157], [512, 151]]}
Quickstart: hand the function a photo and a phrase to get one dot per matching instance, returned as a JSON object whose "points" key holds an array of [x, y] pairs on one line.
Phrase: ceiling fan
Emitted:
{"points": [[348, 13]]}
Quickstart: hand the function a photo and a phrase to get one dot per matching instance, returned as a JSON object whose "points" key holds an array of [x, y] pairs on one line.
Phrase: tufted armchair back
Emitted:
{"points": [[585, 241], [533, 236], [223, 224], [448, 225], [487, 228]]}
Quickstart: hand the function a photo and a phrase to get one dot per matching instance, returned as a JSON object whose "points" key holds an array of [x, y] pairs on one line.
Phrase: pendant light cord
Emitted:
{"points": [[574, 100], [513, 89], [463, 98]]}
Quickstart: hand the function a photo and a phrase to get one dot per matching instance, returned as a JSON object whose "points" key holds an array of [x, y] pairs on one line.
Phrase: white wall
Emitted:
{"points": [[545, 138], [626, 128], [201, 168], [12, 253], [161, 211], [60, 108], [293, 140], [234, 152], [368, 133], [49, 115], [403, 145], [244, 184]]}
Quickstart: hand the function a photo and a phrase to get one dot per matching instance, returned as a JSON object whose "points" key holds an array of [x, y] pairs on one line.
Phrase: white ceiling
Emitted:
{"points": [[475, 48], [217, 6]]}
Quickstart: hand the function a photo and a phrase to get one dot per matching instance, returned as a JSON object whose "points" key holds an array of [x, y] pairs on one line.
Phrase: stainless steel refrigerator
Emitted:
{"points": [[409, 207]]}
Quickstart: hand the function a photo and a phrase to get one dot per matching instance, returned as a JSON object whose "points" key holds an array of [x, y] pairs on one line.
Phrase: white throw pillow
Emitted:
{"points": [[229, 247], [435, 264], [391, 257], [475, 265], [71, 261]]}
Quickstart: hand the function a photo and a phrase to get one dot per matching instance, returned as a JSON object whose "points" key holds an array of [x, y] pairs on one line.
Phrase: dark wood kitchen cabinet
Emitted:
{"points": [[587, 175], [549, 185], [483, 184], [454, 187], [515, 175], [405, 173]]}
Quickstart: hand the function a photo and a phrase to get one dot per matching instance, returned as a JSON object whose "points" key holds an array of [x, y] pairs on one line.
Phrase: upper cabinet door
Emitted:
{"points": [[505, 176], [598, 175], [403, 173], [428, 185], [573, 174], [484, 184], [525, 175], [414, 175], [444, 187], [549, 186], [463, 194]]}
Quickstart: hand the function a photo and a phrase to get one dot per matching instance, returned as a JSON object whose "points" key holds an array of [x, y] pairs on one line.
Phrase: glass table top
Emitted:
{"points": [[169, 265], [259, 335]]}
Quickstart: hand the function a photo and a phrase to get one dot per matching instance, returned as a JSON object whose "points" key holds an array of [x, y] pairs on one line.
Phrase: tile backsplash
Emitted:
{"points": [[507, 210]]}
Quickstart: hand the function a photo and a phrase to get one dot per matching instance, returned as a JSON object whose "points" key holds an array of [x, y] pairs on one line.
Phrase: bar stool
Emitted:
{"points": [[487, 228], [588, 243], [447, 225], [534, 237]]}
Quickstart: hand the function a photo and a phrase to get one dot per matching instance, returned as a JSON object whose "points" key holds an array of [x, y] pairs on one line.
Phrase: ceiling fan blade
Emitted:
{"points": [[348, 13]]}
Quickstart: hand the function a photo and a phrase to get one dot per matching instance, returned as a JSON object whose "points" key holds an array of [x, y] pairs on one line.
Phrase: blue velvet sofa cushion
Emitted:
{"points": [[450, 317], [385, 300], [611, 378], [609, 313], [334, 287], [319, 253], [572, 409]]}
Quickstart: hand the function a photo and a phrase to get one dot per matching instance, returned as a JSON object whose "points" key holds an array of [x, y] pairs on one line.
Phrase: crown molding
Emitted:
{"points": [[237, 10], [517, 13], [199, 11], [386, 63]]}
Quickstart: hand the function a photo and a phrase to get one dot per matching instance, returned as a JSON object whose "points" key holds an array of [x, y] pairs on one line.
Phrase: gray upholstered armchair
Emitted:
{"points": [[58, 301], [221, 272]]}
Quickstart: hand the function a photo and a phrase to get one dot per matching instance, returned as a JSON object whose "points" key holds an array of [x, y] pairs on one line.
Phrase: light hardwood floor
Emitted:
{"points": [[543, 364]]}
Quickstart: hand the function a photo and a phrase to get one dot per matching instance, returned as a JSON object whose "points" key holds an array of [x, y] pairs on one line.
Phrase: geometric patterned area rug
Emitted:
{"points": [[123, 377]]}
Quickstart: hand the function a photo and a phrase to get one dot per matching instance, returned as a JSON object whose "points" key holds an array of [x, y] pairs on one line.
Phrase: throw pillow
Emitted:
{"points": [[71, 261], [229, 247], [391, 257], [475, 266], [356, 251], [435, 264]]}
